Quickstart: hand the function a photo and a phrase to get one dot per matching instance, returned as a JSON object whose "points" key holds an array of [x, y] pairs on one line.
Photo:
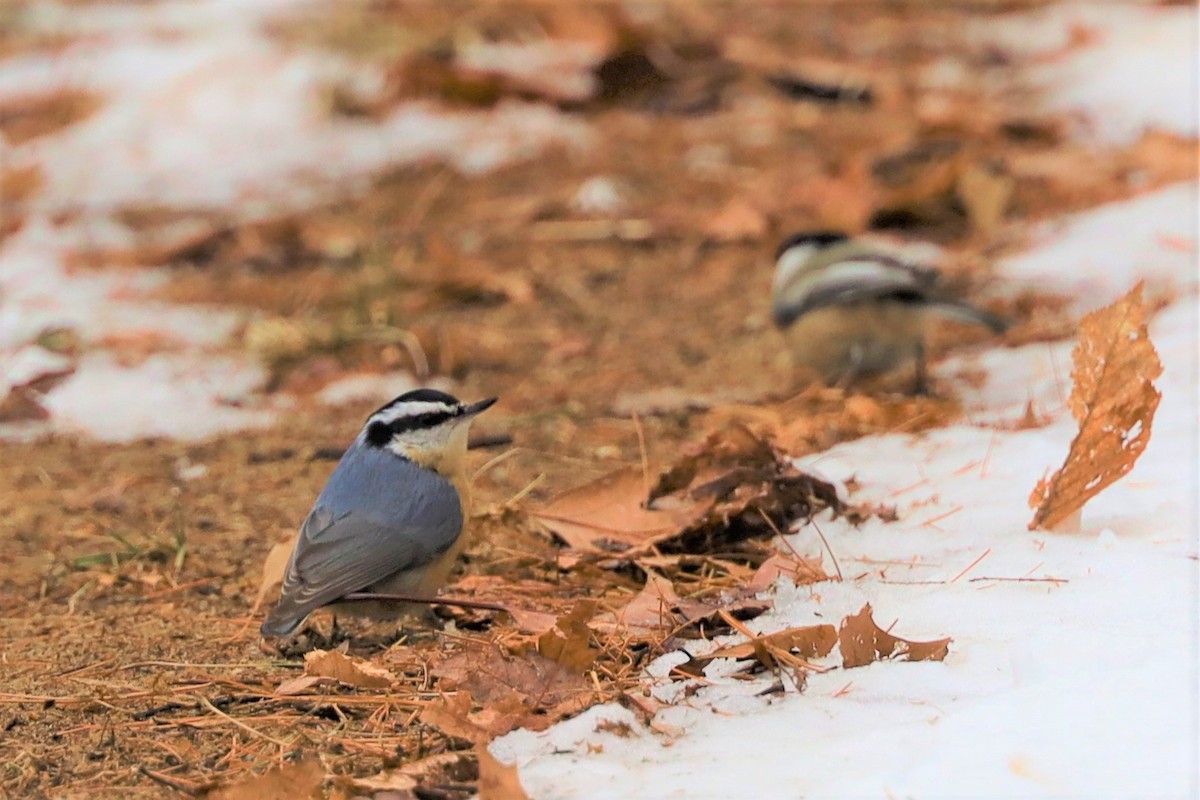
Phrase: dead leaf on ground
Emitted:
{"points": [[799, 570], [289, 782], [812, 641], [450, 715], [1114, 401], [497, 781], [863, 642], [569, 641], [274, 567], [515, 691], [348, 670], [731, 487], [652, 609]]}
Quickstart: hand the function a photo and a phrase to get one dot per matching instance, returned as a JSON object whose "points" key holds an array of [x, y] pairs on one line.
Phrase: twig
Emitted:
{"points": [[486, 440], [191, 788], [529, 487], [829, 549], [641, 437], [252, 731], [1022, 580], [493, 461], [972, 565]]}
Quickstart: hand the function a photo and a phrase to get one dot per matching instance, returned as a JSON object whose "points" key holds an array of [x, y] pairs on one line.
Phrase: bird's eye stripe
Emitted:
{"points": [[380, 432]]}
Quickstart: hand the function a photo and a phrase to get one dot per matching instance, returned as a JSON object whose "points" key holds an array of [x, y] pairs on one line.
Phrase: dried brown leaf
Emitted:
{"points": [[799, 570], [608, 516], [274, 567], [1113, 400], [863, 642], [451, 715], [812, 641], [289, 782], [569, 641], [348, 670], [497, 781]]}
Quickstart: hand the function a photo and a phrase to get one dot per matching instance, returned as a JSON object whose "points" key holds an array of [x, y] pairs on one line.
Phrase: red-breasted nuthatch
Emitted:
{"points": [[851, 310], [391, 517]]}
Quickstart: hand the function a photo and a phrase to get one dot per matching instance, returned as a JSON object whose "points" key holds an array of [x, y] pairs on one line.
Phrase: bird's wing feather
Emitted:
{"points": [[859, 278], [356, 536]]}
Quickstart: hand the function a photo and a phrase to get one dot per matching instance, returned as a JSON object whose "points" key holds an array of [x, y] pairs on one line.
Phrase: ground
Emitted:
{"points": [[614, 337]]}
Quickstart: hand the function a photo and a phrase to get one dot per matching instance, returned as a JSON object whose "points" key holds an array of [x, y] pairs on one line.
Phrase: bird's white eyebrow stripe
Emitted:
{"points": [[412, 408]]}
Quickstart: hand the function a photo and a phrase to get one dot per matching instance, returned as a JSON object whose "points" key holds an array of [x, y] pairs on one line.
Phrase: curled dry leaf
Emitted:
{"points": [[863, 642], [733, 487], [274, 567], [1113, 400], [497, 781], [348, 670]]}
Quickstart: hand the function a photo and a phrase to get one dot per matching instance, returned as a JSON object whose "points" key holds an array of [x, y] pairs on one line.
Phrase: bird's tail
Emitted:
{"points": [[962, 312]]}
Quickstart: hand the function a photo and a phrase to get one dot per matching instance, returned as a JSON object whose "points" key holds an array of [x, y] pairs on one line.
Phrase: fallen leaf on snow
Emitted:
{"points": [[863, 642], [812, 641], [497, 781], [348, 670], [799, 570], [1113, 400]]}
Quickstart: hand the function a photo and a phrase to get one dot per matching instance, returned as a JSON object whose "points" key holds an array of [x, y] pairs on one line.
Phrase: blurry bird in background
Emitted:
{"points": [[851, 309]]}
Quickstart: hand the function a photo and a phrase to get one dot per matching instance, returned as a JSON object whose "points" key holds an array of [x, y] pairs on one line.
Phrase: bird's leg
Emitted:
{"points": [[921, 385], [854, 369]]}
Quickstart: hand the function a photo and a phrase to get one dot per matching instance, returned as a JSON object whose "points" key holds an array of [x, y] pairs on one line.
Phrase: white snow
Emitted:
{"points": [[200, 110], [1073, 668], [1123, 68]]}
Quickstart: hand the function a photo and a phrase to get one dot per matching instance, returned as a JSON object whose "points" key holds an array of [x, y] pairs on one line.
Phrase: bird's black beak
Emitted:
{"points": [[478, 408]]}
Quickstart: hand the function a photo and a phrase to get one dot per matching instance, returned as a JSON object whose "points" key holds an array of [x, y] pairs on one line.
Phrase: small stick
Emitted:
{"points": [[825, 541], [972, 565], [357, 597], [204, 701], [190, 788], [486, 440], [641, 437], [1022, 580]]}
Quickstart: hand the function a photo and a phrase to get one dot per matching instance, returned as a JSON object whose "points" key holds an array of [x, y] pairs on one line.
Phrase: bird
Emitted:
{"points": [[851, 310], [391, 517]]}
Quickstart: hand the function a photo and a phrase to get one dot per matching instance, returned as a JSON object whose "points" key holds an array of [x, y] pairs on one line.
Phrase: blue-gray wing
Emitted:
{"points": [[377, 516]]}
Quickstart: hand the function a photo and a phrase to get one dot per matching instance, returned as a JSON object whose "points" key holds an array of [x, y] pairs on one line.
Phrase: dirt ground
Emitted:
{"points": [[131, 664]]}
